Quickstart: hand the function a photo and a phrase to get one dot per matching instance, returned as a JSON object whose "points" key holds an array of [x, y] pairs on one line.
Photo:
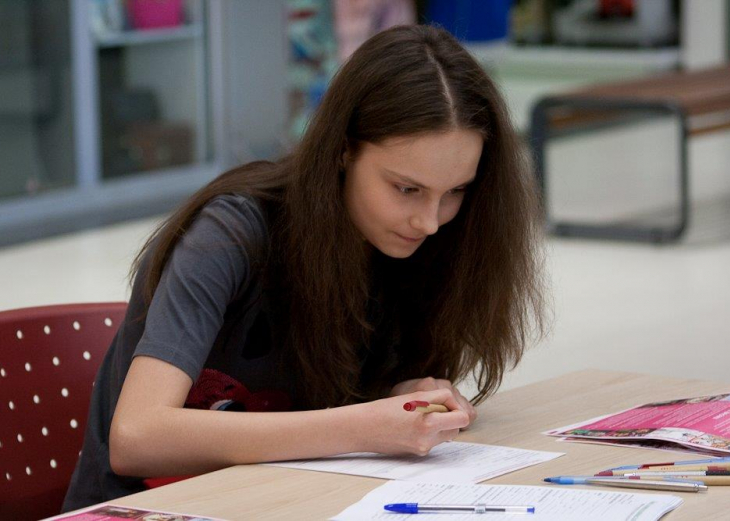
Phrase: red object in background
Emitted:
{"points": [[155, 14], [620, 8]]}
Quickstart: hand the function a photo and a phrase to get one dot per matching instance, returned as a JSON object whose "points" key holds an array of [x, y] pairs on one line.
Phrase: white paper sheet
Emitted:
{"points": [[559, 503], [454, 462]]}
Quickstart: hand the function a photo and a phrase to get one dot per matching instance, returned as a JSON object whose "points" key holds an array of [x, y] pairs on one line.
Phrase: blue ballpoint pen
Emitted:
{"points": [[580, 480], [418, 508]]}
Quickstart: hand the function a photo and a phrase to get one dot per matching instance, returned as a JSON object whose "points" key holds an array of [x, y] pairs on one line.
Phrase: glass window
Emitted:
{"points": [[36, 97]]}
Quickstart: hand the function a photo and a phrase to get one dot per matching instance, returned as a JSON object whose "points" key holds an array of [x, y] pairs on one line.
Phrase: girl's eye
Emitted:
{"points": [[457, 191], [406, 190]]}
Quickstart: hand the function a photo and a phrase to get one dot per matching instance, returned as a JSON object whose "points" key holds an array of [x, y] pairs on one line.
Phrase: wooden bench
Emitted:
{"points": [[700, 100]]}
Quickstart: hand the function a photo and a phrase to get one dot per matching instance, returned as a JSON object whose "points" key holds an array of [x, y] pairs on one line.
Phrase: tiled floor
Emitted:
{"points": [[662, 310]]}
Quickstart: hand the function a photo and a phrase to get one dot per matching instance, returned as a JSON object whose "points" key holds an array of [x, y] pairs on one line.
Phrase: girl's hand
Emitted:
{"points": [[388, 429], [430, 384]]}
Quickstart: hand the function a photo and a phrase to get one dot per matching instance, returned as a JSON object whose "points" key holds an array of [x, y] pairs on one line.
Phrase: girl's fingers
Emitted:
{"points": [[441, 396], [451, 398], [463, 411], [467, 406], [447, 421], [449, 435]]}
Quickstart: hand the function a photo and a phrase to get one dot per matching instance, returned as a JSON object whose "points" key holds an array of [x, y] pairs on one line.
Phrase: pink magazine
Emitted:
{"points": [[700, 424], [120, 513]]}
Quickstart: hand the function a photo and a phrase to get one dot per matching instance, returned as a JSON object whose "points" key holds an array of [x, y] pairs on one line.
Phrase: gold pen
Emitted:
{"points": [[674, 486], [707, 480]]}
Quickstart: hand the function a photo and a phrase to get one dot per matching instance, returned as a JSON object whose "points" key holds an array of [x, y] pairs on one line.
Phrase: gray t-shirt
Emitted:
{"points": [[208, 311]]}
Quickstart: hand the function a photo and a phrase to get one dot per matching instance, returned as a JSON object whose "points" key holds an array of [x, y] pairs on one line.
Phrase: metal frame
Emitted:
{"points": [[87, 141], [540, 134]]}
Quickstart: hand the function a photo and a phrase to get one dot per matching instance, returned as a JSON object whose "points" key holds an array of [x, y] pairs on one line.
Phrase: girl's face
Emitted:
{"points": [[402, 190]]}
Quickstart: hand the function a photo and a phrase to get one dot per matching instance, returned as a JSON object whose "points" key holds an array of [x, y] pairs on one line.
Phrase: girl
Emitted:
{"points": [[391, 254]]}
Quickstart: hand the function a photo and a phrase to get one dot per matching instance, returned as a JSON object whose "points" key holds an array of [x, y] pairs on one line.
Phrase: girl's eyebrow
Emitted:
{"points": [[415, 183]]}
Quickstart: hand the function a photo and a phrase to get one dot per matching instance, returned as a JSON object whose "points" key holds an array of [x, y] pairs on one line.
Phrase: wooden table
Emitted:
{"points": [[513, 418]]}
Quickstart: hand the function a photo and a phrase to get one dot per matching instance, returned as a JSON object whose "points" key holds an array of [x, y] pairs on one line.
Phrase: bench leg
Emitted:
{"points": [[541, 133]]}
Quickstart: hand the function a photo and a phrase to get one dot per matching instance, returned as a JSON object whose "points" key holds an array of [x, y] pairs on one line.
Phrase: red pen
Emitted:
{"points": [[421, 406]]}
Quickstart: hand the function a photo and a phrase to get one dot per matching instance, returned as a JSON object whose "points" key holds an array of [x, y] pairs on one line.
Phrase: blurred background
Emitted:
{"points": [[114, 111]]}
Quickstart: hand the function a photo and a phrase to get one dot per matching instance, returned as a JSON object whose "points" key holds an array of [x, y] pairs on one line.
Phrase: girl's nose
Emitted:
{"points": [[426, 221]]}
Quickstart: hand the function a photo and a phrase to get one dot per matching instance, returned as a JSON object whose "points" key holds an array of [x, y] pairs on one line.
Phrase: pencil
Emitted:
{"points": [[705, 466], [419, 406]]}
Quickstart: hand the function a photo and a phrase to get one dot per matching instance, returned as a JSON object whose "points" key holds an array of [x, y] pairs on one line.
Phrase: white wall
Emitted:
{"points": [[704, 33]]}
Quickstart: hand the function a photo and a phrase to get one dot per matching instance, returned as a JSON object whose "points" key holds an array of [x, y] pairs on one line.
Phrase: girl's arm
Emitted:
{"points": [[152, 435]]}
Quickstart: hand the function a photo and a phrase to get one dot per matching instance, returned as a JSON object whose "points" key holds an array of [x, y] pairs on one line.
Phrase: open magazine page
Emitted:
{"points": [[647, 444], [119, 513], [701, 424]]}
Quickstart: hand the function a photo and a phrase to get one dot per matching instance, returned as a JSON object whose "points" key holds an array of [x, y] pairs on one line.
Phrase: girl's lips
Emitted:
{"points": [[409, 239]]}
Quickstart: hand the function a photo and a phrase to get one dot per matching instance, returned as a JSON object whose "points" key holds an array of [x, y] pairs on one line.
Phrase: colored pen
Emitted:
{"points": [[683, 473], [705, 466], [420, 508], [676, 486], [672, 463], [419, 406], [708, 471], [706, 480]]}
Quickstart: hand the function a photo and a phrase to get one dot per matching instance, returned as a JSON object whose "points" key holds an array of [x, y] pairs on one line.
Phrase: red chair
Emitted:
{"points": [[49, 357]]}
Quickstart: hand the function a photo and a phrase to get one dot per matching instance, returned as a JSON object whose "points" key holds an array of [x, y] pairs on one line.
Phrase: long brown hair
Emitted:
{"points": [[471, 296]]}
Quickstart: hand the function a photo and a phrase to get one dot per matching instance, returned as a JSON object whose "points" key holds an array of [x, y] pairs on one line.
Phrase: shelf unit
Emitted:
{"points": [[152, 105], [98, 196], [127, 38]]}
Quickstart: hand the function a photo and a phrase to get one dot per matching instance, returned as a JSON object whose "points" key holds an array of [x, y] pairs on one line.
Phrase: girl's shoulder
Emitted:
{"points": [[242, 211], [233, 220]]}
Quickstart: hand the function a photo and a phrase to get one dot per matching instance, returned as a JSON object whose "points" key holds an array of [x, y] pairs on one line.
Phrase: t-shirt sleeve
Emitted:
{"points": [[204, 273]]}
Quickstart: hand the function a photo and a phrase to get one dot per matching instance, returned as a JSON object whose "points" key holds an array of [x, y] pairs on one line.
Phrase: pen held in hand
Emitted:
{"points": [[422, 508], [421, 406]]}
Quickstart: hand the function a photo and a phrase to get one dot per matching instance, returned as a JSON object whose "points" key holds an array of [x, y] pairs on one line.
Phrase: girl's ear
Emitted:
{"points": [[349, 153]]}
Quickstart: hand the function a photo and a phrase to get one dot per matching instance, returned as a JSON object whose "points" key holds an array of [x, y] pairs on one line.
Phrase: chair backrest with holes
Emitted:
{"points": [[49, 357]]}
